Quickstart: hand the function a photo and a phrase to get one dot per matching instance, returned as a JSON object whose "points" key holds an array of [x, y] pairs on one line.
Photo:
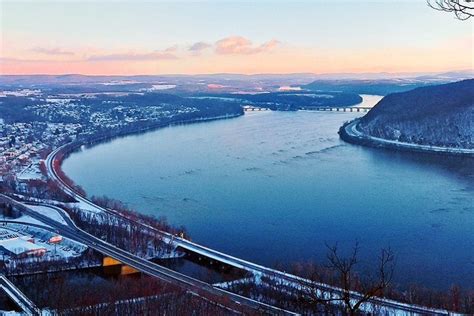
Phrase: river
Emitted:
{"points": [[274, 187]]}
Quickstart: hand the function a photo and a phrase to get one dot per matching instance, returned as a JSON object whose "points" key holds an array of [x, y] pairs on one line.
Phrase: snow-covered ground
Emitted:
{"points": [[10, 313], [368, 100], [48, 211], [24, 219], [30, 172], [157, 87], [84, 206]]}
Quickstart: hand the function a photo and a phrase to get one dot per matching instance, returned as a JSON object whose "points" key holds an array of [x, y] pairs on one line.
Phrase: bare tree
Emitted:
{"points": [[353, 291], [463, 9]]}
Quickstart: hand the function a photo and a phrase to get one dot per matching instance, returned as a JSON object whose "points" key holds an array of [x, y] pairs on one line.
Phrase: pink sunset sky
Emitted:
{"points": [[191, 37]]}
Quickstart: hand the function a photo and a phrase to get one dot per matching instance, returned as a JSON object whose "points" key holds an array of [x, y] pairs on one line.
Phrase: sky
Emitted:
{"points": [[248, 37]]}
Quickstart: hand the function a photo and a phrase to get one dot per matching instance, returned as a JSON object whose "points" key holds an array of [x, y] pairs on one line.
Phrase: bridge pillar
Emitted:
{"points": [[108, 261], [125, 270], [117, 267]]}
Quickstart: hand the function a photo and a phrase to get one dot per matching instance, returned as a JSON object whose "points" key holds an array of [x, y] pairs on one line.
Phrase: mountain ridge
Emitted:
{"points": [[440, 115]]}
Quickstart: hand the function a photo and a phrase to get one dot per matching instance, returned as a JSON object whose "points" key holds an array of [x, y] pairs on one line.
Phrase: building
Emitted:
{"points": [[17, 245], [56, 239]]}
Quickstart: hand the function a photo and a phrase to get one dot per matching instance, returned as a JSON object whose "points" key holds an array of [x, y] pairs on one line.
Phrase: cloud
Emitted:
{"points": [[270, 45], [199, 46], [172, 49], [51, 51], [239, 45], [168, 53]]}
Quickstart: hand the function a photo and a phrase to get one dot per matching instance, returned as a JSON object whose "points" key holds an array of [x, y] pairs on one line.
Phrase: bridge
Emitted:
{"points": [[338, 109], [124, 269], [251, 108], [18, 297]]}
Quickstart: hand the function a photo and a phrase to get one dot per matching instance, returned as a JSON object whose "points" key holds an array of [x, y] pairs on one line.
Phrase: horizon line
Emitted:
{"points": [[250, 74]]}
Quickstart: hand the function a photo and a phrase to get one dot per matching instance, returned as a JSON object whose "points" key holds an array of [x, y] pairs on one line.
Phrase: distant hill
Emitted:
{"points": [[291, 100], [441, 115], [384, 85], [358, 83], [377, 87]]}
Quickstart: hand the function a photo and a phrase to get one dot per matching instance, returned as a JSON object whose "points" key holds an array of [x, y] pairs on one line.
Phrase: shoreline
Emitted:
{"points": [[61, 153], [137, 131], [349, 132]]}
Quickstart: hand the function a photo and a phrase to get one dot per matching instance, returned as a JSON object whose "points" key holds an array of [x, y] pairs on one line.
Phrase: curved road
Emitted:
{"points": [[352, 130]]}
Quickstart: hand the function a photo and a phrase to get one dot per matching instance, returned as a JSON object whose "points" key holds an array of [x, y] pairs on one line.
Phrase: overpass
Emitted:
{"points": [[255, 269], [18, 297]]}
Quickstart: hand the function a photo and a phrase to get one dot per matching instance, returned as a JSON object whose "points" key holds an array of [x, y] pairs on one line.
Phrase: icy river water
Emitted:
{"points": [[274, 187]]}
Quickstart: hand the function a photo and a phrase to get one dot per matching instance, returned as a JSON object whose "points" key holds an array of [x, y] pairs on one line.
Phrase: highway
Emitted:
{"points": [[389, 305], [72, 232], [18, 297]]}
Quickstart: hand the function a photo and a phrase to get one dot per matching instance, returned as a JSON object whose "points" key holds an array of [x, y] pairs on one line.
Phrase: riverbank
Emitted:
{"points": [[350, 133], [61, 153], [70, 147]]}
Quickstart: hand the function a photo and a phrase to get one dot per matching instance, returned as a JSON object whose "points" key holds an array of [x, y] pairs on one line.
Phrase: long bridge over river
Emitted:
{"points": [[251, 108], [338, 109]]}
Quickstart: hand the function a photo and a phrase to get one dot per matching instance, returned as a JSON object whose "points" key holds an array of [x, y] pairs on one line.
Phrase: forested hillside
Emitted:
{"points": [[440, 115]]}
